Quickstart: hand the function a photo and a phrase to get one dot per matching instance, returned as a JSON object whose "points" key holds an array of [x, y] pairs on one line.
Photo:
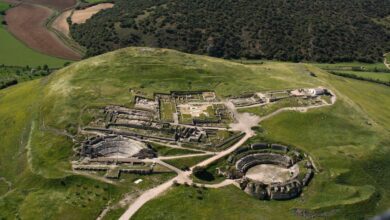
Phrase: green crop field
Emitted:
{"points": [[15, 53], [3, 6], [349, 65], [376, 72], [385, 77], [349, 141]]}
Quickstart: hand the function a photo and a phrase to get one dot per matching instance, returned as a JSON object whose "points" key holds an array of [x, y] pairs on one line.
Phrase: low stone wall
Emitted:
{"points": [[251, 160], [263, 153]]}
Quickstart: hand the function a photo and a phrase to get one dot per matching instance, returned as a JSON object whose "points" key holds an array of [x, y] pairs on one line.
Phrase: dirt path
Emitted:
{"points": [[225, 152], [145, 197], [78, 16], [184, 156], [27, 23], [180, 147], [61, 24], [244, 123], [221, 184], [184, 177]]}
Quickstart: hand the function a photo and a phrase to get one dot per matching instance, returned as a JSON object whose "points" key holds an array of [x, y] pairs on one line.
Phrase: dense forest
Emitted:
{"points": [[294, 30]]}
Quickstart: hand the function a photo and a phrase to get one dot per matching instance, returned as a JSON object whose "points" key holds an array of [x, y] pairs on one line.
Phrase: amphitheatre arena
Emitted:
{"points": [[270, 171]]}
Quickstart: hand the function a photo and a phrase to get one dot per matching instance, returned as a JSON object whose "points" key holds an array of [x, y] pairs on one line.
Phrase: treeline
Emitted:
{"points": [[12, 75], [353, 76], [359, 69], [315, 30]]}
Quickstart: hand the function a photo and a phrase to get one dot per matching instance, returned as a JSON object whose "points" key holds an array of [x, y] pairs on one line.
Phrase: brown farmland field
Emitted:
{"points": [[81, 16], [60, 23], [27, 23], [59, 5], [78, 17]]}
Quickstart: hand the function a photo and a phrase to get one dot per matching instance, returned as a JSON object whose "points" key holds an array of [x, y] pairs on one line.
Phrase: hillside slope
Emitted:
{"points": [[40, 118], [321, 31]]}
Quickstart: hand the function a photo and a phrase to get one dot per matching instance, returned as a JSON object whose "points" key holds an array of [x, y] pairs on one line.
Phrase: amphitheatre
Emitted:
{"points": [[146, 133], [120, 140]]}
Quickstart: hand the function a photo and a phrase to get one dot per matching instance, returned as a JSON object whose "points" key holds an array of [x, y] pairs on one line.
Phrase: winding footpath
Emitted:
{"points": [[245, 122]]}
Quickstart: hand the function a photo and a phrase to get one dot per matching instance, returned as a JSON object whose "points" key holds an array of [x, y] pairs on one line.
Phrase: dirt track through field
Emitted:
{"points": [[78, 17], [27, 23], [244, 123], [60, 23]]}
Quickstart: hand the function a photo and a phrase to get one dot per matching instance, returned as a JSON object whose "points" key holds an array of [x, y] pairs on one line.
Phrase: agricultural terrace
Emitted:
{"points": [[49, 117]]}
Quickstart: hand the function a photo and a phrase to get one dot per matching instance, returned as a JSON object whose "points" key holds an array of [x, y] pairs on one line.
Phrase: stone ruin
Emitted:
{"points": [[263, 153], [115, 146], [260, 98]]}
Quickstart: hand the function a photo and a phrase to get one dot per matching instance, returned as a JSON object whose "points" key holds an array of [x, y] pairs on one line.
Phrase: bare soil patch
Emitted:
{"points": [[268, 173], [27, 23], [60, 23], [81, 16], [59, 5]]}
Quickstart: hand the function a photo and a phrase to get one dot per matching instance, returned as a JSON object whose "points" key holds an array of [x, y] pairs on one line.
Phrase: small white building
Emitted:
{"points": [[316, 91]]}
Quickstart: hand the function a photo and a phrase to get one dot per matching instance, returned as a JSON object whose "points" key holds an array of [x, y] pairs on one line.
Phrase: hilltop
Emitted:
{"points": [[322, 31], [41, 119]]}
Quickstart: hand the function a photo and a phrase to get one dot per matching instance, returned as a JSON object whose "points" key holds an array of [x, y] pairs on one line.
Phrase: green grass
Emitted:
{"points": [[213, 176], [385, 77], [4, 187], [167, 110], [19, 74], [269, 108], [348, 141], [185, 163], [114, 214], [15, 53], [349, 65], [169, 151], [225, 203], [3, 6], [377, 71]]}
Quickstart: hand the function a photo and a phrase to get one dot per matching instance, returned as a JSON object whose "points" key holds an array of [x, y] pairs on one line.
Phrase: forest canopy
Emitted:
{"points": [[294, 30]]}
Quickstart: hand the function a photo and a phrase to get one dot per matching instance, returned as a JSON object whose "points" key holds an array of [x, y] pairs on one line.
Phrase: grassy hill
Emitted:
{"points": [[349, 141], [323, 31]]}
